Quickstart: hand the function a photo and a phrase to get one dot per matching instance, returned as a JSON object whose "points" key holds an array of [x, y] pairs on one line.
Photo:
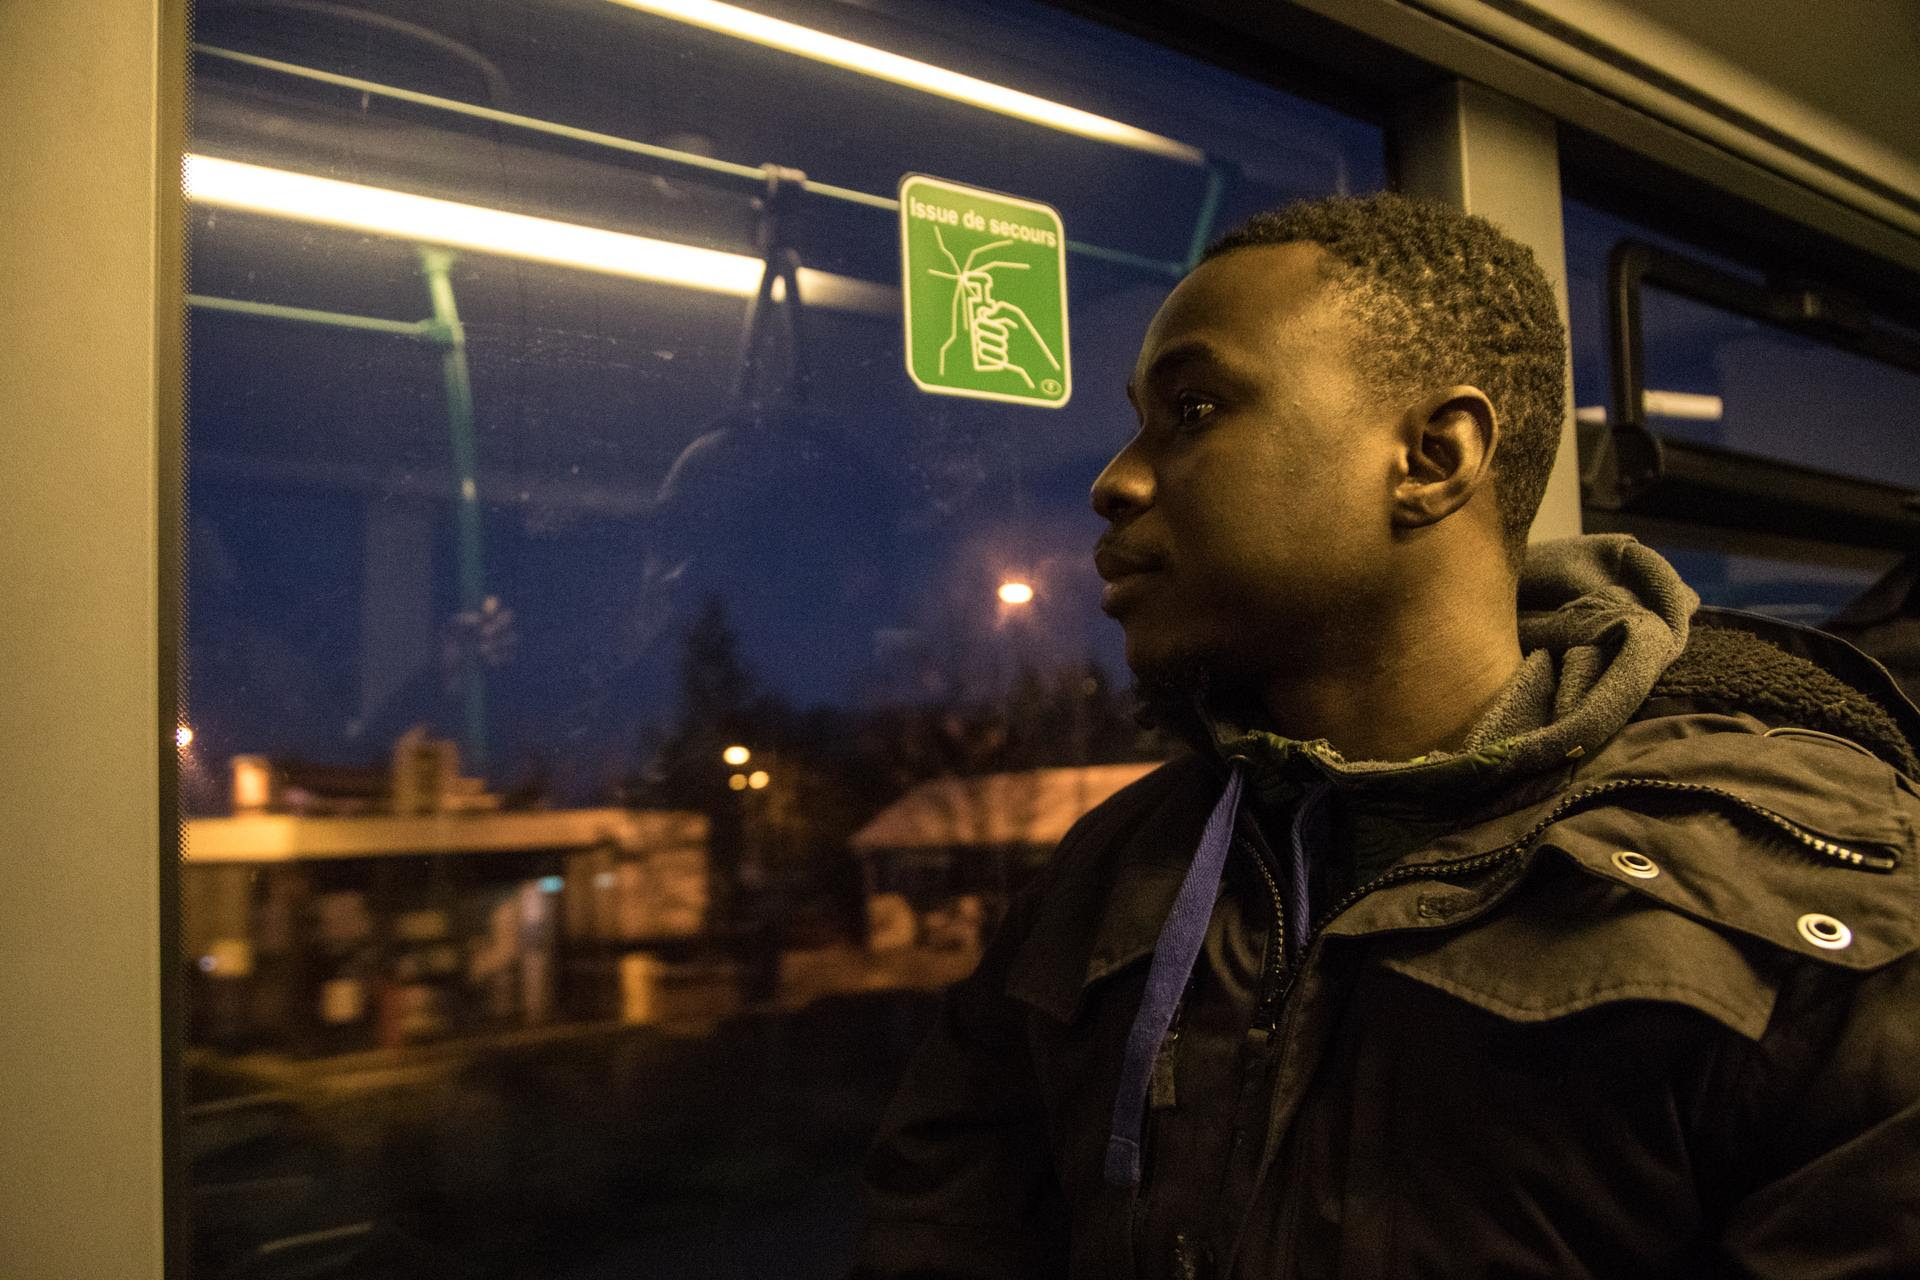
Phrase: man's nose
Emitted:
{"points": [[1125, 488]]}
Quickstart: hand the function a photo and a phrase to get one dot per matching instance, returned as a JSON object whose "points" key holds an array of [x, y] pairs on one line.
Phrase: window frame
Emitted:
{"points": [[90, 1132], [90, 567]]}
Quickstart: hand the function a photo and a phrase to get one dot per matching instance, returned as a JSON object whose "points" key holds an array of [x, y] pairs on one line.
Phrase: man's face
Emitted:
{"points": [[1249, 517]]}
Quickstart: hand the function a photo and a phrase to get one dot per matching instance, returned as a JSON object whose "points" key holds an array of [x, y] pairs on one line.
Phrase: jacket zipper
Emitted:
{"points": [[1267, 1016], [1806, 839], [1466, 866]]}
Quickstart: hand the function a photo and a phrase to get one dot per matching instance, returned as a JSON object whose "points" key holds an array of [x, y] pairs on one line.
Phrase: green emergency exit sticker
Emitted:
{"points": [[984, 279]]}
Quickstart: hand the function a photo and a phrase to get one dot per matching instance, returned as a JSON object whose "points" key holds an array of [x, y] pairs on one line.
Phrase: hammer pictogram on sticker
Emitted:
{"points": [[989, 324]]}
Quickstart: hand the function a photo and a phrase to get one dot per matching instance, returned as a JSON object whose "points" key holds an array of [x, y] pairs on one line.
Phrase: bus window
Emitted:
{"points": [[619, 697], [1716, 378]]}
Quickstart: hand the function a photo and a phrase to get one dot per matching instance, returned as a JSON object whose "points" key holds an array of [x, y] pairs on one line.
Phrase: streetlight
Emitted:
{"points": [[1014, 591], [758, 779], [738, 782], [736, 755]]}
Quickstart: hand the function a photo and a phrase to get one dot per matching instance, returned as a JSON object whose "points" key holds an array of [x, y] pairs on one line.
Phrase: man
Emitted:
{"points": [[1511, 916]]}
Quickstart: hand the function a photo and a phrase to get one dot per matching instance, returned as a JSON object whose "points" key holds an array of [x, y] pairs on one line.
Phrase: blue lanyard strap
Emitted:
{"points": [[1173, 958]]}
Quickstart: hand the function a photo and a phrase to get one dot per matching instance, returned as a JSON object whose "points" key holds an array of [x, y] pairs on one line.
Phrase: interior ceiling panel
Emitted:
{"points": [[1857, 62]]}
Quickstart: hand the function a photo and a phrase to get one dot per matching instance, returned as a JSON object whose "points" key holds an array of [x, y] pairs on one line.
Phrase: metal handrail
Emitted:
{"points": [[707, 166], [1627, 467]]}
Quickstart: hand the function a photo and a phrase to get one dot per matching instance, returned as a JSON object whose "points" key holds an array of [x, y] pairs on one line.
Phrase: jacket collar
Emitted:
{"points": [[1599, 618], [1872, 710], [1116, 878]]}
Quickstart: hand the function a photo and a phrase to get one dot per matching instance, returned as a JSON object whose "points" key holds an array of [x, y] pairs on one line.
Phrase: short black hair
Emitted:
{"points": [[1443, 297]]}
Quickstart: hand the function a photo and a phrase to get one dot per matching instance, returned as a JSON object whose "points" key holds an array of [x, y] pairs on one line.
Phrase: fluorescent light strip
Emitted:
{"points": [[818, 45], [1685, 405], [329, 202], [348, 204]]}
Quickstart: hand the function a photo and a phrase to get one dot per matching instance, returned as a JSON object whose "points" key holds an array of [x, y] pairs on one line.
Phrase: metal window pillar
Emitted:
{"points": [[91, 376], [1492, 155]]}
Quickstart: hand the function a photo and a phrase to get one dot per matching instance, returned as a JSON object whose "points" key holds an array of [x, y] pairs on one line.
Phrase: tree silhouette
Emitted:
{"points": [[717, 691], [715, 683]]}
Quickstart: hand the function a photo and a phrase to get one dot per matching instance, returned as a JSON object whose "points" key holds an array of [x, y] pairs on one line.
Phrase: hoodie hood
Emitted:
{"points": [[1601, 617]]}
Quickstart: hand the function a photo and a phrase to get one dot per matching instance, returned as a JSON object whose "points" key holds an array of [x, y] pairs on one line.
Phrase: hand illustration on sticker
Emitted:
{"points": [[1001, 338]]}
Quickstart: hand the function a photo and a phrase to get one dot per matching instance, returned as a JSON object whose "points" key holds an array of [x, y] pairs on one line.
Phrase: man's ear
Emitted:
{"points": [[1447, 441]]}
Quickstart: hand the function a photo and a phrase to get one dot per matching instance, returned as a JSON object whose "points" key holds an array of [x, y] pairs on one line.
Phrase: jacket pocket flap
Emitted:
{"points": [[1558, 947], [1725, 868]]}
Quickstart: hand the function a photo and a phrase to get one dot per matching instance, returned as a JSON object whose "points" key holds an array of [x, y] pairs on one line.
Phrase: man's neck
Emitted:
{"points": [[1415, 685]]}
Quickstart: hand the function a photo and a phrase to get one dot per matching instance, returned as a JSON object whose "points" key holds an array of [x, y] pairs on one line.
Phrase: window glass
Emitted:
{"points": [[616, 706], [1748, 386]]}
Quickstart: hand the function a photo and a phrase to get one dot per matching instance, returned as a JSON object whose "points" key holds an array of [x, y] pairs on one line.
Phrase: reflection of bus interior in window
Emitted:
{"points": [[590, 625], [1769, 461]]}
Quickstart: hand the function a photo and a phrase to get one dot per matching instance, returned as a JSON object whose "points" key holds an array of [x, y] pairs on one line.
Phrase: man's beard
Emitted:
{"points": [[1167, 691]]}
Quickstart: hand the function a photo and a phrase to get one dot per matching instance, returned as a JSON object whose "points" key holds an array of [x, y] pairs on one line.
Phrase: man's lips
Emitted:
{"points": [[1113, 562], [1115, 595], [1126, 570]]}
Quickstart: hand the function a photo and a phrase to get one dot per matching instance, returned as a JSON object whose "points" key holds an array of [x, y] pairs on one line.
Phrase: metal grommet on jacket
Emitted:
{"points": [[1637, 865], [1824, 931]]}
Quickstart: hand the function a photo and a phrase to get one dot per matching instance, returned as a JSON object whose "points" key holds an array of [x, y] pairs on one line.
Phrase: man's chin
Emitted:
{"points": [[1169, 683]]}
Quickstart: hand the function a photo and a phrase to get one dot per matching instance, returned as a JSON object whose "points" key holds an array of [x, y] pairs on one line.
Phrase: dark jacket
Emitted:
{"points": [[1884, 621], [1653, 1011]]}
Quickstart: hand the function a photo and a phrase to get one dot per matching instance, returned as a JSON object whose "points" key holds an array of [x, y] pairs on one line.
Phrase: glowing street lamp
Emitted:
{"points": [[736, 755], [1014, 591], [738, 782], [758, 779]]}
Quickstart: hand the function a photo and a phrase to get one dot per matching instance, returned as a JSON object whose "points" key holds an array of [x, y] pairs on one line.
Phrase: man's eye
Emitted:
{"points": [[1190, 407]]}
